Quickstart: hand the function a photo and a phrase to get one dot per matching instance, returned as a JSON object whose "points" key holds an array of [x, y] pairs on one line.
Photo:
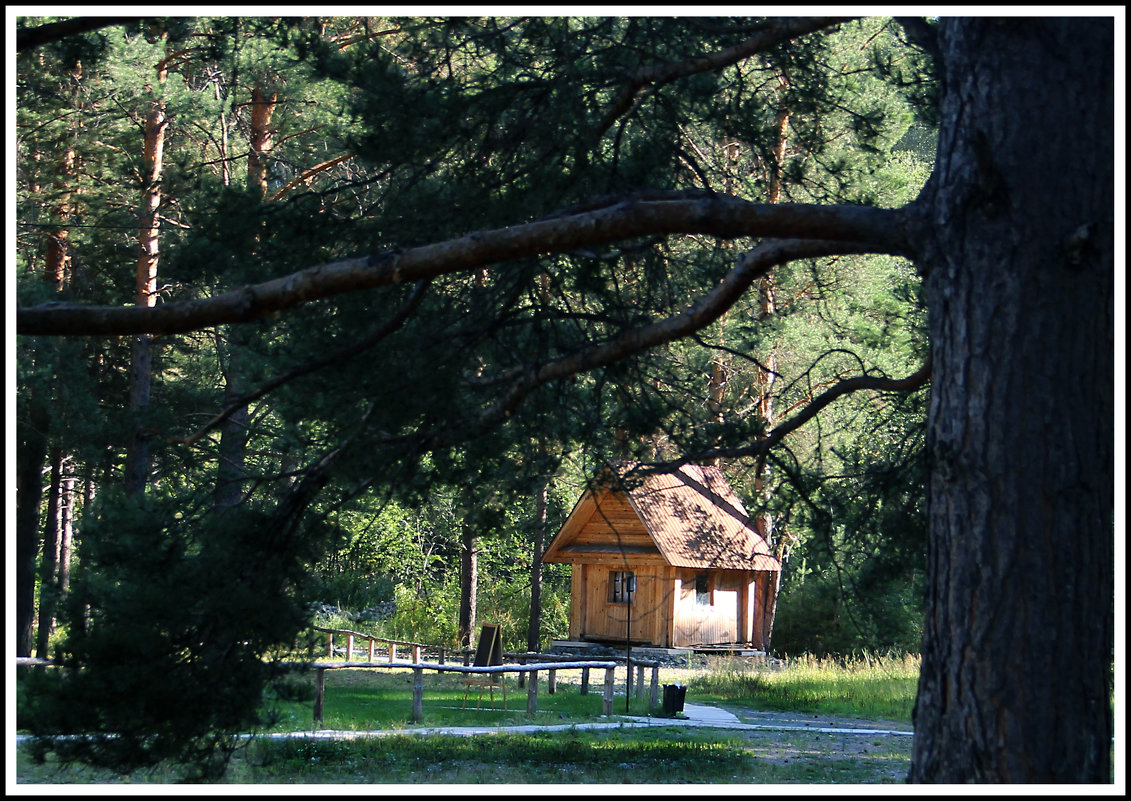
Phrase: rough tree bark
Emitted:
{"points": [[765, 376], [56, 256], [1018, 642], [263, 103], [842, 229], [55, 569]]}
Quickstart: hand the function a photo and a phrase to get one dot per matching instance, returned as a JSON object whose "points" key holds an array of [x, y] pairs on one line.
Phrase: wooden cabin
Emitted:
{"points": [[669, 560]]}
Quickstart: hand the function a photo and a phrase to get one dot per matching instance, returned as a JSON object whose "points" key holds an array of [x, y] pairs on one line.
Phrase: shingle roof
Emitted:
{"points": [[696, 519]]}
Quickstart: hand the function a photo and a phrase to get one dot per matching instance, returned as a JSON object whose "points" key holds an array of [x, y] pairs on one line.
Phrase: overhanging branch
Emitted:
{"points": [[28, 38], [868, 228]]}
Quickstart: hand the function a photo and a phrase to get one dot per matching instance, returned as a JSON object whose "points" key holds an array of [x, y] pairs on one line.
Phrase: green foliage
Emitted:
{"points": [[637, 756], [363, 699], [353, 590], [858, 579], [429, 617], [170, 628]]}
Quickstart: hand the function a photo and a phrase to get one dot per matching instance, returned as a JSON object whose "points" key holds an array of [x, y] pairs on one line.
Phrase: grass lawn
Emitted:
{"points": [[363, 700], [876, 688], [665, 755], [367, 699]]}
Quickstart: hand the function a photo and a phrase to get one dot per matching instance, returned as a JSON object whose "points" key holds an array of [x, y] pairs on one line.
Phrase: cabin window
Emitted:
{"points": [[622, 587], [703, 589]]}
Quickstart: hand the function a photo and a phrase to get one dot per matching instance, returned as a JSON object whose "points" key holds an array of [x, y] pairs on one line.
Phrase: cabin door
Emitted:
{"points": [[610, 596]]}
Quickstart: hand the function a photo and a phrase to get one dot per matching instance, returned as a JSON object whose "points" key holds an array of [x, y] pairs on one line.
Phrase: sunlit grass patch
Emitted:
{"points": [[880, 687]]}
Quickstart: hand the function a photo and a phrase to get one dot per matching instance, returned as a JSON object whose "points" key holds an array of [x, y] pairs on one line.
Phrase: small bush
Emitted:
{"points": [[296, 690], [354, 590]]}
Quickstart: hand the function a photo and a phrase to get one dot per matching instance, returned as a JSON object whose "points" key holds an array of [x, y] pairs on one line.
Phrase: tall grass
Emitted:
{"points": [[864, 686]]}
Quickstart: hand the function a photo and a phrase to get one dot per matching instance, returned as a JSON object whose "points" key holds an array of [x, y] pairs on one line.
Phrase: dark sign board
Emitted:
{"points": [[490, 650]]}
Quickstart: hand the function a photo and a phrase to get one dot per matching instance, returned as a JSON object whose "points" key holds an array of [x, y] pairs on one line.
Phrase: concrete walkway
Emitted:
{"points": [[702, 715], [695, 715]]}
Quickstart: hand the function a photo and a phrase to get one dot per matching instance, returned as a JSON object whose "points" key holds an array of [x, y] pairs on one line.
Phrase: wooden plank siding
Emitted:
{"points": [[651, 606], [696, 623]]}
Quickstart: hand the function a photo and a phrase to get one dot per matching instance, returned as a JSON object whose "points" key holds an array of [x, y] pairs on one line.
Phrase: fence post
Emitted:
{"points": [[330, 645], [585, 681], [639, 681], [392, 652], [532, 693], [655, 694], [319, 695], [522, 674], [349, 646], [416, 654], [610, 677], [417, 694], [372, 644], [552, 682]]}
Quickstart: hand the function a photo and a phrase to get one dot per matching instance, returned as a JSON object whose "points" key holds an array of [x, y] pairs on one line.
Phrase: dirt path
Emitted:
{"points": [[879, 748]]}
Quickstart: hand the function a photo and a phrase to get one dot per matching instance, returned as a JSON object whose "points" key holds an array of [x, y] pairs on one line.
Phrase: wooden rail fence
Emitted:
{"points": [[465, 654], [418, 680], [390, 645], [528, 664]]}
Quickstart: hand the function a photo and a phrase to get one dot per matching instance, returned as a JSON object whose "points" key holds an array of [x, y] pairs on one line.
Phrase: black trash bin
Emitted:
{"points": [[674, 695]]}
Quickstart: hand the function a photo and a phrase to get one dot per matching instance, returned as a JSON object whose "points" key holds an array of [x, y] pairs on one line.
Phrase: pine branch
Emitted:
{"points": [[28, 38], [911, 383], [337, 357], [870, 229], [659, 74]]}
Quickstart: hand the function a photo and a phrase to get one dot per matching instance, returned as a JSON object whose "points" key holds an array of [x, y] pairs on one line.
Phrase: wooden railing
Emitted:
{"points": [[418, 680], [549, 661], [465, 654], [390, 645], [639, 664]]}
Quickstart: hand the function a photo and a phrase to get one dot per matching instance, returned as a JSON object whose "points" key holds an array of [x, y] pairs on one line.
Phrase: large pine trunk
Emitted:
{"points": [[1018, 641]]}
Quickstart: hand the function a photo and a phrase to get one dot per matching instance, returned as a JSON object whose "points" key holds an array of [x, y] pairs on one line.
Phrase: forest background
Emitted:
{"points": [[420, 444]]}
